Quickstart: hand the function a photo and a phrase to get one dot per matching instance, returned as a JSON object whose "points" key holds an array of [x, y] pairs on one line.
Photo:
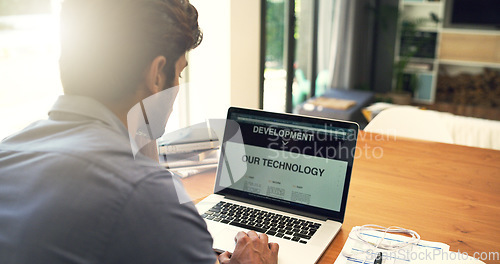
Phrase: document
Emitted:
{"points": [[425, 252]]}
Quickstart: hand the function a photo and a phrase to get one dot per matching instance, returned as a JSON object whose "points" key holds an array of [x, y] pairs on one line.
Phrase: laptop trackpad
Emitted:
{"points": [[224, 239]]}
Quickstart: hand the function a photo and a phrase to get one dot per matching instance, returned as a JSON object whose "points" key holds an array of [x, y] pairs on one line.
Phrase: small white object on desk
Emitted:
{"points": [[184, 172], [366, 242]]}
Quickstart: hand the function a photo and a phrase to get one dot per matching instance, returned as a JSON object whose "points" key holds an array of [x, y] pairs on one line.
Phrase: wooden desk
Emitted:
{"points": [[446, 193]]}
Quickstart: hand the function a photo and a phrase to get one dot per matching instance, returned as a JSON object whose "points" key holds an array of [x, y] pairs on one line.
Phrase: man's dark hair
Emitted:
{"points": [[106, 45]]}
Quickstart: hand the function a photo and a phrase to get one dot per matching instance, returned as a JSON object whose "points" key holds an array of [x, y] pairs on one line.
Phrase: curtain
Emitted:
{"points": [[326, 21], [345, 42]]}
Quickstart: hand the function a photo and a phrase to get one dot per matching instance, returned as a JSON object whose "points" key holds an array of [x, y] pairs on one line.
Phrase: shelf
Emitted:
{"points": [[470, 63], [423, 60], [420, 67], [426, 3], [429, 29], [419, 60], [426, 39], [471, 31], [470, 48], [421, 12], [457, 50], [418, 71]]}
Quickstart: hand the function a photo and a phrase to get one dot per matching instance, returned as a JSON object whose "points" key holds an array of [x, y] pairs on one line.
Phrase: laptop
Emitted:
{"points": [[284, 175]]}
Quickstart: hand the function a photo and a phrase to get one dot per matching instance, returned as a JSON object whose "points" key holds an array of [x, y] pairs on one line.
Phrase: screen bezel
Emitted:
{"points": [[282, 204]]}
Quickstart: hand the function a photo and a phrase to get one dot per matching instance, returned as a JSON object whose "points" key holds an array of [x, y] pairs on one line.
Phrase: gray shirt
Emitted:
{"points": [[72, 192]]}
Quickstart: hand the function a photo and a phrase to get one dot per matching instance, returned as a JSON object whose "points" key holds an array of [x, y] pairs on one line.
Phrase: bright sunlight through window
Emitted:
{"points": [[29, 72]]}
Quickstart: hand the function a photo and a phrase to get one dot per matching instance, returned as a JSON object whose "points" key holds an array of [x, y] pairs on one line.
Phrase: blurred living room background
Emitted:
{"points": [[343, 59]]}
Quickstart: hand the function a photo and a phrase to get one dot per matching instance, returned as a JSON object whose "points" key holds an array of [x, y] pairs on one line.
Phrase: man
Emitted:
{"points": [[72, 190]]}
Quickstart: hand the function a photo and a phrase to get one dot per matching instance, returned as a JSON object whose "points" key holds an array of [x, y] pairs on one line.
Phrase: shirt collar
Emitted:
{"points": [[88, 107]]}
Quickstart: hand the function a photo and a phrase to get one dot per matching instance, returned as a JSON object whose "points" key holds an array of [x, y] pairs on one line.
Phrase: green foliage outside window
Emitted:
{"points": [[275, 32]]}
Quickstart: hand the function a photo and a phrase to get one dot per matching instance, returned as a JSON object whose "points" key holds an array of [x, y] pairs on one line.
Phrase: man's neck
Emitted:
{"points": [[149, 150]]}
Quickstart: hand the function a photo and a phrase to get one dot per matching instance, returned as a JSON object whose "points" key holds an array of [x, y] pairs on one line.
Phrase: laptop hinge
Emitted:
{"points": [[276, 207]]}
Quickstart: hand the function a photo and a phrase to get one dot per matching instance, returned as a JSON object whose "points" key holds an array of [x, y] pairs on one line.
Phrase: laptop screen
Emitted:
{"points": [[297, 162]]}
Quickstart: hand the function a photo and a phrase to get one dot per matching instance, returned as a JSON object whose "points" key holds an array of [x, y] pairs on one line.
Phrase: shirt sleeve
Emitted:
{"points": [[155, 227]]}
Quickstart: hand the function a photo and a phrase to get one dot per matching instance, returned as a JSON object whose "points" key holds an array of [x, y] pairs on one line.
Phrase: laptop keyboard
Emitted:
{"points": [[272, 224]]}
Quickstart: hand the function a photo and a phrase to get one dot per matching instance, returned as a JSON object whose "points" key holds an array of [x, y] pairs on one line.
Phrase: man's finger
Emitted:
{"points": [[264, 238], [252, 235], [274, 247], [224, 257], [240, 235]]}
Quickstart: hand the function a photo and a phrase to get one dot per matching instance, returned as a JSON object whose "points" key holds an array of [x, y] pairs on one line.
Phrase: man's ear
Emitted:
{"points": [[155, 78]]}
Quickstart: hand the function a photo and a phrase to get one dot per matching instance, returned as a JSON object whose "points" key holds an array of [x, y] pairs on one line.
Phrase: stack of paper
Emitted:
{"points": [[187, 164], [356, 251], [193, 138], [190, 150]]}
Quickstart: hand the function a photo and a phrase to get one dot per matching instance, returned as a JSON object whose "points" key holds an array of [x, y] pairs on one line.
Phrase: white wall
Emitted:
{"points": [[245, 52], [224, 69]]}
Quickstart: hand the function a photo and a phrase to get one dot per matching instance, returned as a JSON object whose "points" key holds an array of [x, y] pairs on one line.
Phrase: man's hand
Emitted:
{"points": [[251, 248]]}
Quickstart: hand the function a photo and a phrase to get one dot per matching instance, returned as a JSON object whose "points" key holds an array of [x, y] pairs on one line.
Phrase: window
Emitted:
{"points": [[29, 64], [29, 72], [290, 53]]}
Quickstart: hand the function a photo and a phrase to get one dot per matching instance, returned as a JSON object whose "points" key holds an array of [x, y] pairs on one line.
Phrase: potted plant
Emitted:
{"points": [[406, 82]]}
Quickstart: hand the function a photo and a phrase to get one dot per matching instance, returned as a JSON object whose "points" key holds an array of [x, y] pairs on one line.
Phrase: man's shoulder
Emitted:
{"points": [[85, 192], [91, 145]]}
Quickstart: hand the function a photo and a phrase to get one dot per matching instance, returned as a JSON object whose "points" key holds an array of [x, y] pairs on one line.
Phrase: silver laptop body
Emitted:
{"points": [[284, 175]]}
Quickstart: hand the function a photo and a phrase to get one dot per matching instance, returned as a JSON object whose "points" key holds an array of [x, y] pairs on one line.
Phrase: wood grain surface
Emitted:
{"points": [[447, 193]]}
